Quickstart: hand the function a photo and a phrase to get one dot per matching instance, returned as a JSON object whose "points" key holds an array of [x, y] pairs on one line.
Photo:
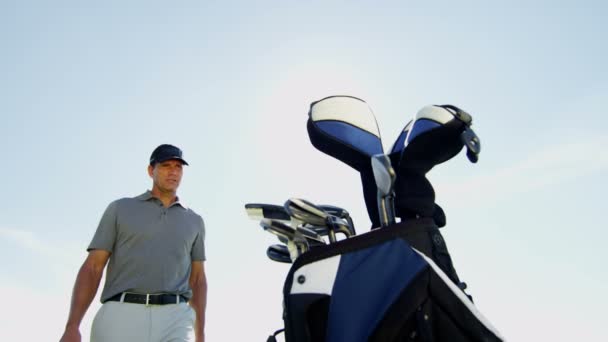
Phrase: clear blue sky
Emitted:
{"points": [[88, 90]]}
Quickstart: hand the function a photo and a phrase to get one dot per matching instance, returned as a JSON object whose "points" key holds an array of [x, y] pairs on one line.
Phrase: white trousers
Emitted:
{"points": [[128, 322]]}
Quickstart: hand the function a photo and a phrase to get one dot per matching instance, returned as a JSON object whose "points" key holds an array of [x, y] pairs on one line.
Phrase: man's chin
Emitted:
{"points": [[170, 189]]}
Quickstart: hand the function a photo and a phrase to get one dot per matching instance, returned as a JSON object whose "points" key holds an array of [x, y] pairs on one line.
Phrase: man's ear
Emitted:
{"points": [[150, 170]]}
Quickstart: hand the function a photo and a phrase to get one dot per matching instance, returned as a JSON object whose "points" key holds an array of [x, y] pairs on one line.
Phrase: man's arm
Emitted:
{"points": [[198, 284], [84, 291]]}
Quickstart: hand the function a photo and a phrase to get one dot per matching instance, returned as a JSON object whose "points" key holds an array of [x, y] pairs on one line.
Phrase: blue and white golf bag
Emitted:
{"points": [[377, 287], [397, 282]]}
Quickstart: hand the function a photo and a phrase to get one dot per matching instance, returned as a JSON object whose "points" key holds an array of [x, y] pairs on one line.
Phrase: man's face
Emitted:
{"points": [[166, 175]]}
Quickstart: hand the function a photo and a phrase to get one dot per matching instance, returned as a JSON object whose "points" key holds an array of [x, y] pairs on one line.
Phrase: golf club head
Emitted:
{"points": [[384, 174], [278, 228], [334, 225], [305, 211], [311, 237], [296, 243], [335, 211], [279, 253], [341, 213], [340, 225], [316, 216], [258, 211]]}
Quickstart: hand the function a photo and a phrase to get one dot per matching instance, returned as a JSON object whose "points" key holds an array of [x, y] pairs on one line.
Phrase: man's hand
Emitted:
{"points": [[71, 334]]}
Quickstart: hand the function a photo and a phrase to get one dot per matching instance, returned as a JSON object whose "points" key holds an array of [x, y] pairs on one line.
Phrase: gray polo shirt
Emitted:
{"points": [[152, 246]]}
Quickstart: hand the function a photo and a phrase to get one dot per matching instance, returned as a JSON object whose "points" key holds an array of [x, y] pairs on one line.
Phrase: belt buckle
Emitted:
{"points": [[147, 299]]}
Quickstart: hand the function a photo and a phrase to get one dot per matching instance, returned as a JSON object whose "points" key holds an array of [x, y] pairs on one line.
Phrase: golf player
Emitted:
{"points": [[153, 245]]}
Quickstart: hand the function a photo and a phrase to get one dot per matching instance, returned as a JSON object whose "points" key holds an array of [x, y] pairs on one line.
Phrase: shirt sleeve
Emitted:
{"points": [[198, 248], [105, 236]]}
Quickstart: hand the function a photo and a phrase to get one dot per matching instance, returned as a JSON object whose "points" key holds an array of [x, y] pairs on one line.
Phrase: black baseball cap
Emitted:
{"points": [[166, 152]]}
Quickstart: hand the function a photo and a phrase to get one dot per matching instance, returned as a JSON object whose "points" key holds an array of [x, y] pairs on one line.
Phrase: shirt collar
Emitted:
{"points": [[146, 196]]}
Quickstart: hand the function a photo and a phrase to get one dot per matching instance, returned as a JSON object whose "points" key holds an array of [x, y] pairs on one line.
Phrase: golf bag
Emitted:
{"points": [[396, 282], [377, 287]]}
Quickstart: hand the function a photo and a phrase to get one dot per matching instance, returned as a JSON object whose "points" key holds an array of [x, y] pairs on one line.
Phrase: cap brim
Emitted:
{"points": [[172, 158]]}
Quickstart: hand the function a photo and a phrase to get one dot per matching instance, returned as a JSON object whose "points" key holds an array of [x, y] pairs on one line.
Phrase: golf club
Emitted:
{"points": [[385, 176]]}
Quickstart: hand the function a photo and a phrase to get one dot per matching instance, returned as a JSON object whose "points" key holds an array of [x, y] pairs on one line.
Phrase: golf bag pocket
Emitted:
{"points": [[376, 287]]}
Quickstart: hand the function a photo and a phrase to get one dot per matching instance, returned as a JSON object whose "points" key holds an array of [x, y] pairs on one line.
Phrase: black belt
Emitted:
{"points": [[149, 299]]}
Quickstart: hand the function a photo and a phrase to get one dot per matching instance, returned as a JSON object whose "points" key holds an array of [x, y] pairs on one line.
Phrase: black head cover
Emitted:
{"points": [[435, 135]]}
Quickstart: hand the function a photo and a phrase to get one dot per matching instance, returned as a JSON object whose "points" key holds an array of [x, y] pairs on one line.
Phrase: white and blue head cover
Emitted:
{"points": [[344, 127]]}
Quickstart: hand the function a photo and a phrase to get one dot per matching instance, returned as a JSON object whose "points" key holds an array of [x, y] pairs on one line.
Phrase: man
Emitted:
{"points": [[156, 253]]}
